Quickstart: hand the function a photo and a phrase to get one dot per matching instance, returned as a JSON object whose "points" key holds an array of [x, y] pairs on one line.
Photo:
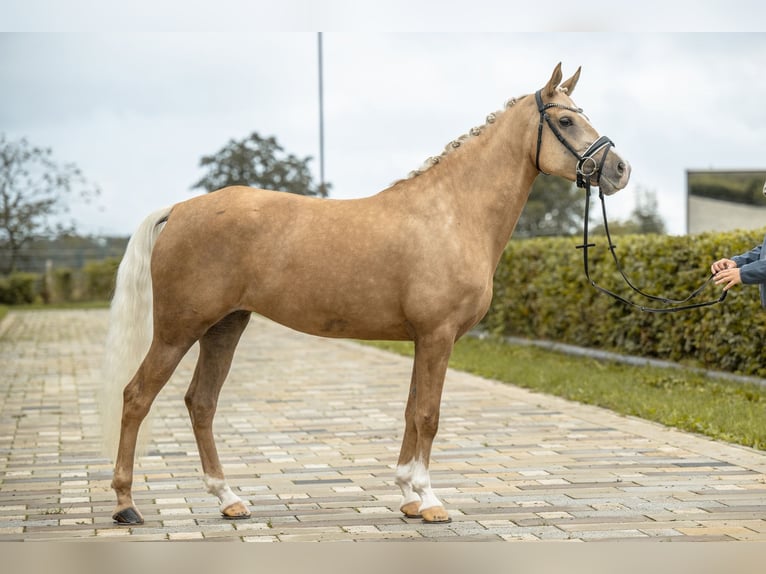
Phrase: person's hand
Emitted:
{"points": [[728, 278], [722, 264]]}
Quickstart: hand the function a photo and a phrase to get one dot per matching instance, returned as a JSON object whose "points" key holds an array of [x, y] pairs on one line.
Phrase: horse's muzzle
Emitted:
{"points": [[614, 175]]}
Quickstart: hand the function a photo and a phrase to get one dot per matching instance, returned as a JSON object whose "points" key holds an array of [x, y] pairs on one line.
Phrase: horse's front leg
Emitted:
{"points": [[422, 422], [410, 505]]}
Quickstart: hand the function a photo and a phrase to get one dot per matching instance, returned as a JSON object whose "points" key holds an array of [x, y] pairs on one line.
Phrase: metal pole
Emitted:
{"points": [[322, 189]]}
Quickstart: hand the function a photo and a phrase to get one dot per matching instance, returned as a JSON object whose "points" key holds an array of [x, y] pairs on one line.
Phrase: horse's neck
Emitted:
{"points": [[487, 181]]}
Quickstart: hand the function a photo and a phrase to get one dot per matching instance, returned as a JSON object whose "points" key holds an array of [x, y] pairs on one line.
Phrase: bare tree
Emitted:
{"points": [[33, 189]]}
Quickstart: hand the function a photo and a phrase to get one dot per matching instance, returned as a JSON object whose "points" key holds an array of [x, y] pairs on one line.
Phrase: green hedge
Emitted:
{"points": [[60, 285], [99, 278], [94, 282], [541, 292]]}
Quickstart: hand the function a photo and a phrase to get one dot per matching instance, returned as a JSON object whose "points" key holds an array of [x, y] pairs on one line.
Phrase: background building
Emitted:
{"points": [[725, 200]]}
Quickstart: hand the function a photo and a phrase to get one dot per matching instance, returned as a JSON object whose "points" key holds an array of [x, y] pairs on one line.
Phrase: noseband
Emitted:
{"points": [[589, 171]]}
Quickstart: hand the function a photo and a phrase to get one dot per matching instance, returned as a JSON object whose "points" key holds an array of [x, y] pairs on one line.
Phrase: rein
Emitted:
{"points": [[589, 173], [675, 304]]}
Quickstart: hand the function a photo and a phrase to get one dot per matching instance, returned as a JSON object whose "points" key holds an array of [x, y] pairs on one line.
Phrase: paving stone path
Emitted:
{"points": [[309, 432]]}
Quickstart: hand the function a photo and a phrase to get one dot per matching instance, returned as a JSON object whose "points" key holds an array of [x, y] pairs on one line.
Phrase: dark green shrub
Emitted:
{"points": [[20, 288]]}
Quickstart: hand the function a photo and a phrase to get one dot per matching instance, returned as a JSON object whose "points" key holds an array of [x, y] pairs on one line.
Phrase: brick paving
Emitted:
{"points": [[309, 430]]}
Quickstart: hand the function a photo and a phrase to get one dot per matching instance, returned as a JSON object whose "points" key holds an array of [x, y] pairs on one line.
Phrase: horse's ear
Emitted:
{"points": [[550, 88], [569, 86]]}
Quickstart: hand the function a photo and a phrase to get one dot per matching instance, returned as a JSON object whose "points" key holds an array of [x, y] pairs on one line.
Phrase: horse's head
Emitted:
{"points": [[568, 145]]}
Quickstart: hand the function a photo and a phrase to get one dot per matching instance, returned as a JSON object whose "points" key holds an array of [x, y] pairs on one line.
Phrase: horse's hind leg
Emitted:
{"points": [[154, 372], [216, 353]]}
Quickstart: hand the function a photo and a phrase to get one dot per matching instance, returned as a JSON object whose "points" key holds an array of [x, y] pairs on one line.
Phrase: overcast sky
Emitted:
{"points": [[135, 110]]}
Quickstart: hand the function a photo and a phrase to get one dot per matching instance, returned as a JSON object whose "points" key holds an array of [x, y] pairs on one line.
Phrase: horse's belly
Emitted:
{"points": [[375, 326]]}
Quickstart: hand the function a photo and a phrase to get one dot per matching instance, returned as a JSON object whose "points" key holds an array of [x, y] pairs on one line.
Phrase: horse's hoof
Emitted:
{"points": [[236, 511], [411, 510], [435, 515], [128, 516]]}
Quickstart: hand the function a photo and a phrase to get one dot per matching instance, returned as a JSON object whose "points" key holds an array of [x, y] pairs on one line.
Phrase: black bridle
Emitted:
{"points": [[589, 171], [587, 166]]}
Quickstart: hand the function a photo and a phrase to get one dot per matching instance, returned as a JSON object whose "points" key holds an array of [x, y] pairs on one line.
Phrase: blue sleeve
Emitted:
{"points": [[754, 272], [753, 255]]}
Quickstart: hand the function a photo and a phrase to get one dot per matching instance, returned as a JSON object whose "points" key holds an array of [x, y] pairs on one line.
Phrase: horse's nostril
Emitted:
{"points": [[621, 168]]}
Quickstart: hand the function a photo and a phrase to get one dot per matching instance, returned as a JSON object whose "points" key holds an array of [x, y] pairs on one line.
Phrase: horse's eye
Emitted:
{"points": [[565, 122]]}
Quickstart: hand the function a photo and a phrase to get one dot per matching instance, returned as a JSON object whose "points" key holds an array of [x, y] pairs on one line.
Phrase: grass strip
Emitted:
{"points": [[730, 411]]}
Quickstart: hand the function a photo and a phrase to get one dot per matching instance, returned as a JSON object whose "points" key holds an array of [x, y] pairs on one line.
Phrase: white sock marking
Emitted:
{"points": [[220, 488], [404, 480], [414, 480]]}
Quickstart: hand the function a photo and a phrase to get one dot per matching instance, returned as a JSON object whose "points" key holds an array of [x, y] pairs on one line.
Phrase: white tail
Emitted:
{"points": [[130, 327]]}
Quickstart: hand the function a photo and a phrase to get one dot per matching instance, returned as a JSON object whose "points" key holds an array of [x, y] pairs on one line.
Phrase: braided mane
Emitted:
{"points": [[473, 132], [456, 143]]}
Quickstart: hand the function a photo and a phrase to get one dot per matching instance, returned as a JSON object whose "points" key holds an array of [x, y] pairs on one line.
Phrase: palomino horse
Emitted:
{"points": [[414, 262]]}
